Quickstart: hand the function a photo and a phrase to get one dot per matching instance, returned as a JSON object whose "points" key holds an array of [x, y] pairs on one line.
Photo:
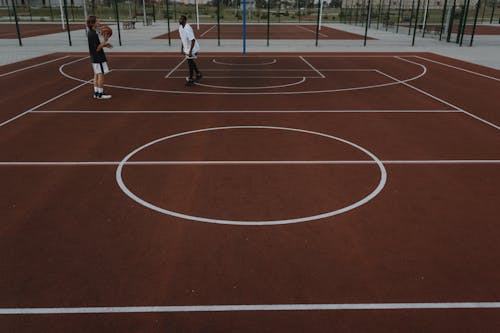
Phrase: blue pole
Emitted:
{"points": [[244, 26]]}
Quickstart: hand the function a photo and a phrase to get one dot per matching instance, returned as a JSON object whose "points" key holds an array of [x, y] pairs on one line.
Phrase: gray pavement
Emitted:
{"points": [[486, 50]]}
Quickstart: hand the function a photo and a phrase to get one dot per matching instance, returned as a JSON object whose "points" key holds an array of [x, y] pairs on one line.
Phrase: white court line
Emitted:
{"points": [[304, 28], [202, 163], [203, 34], [243, 64], [303, 79], [53, 98], [250, 77], [142, 69], [260, 55], [309, 64], [461, 69], [191, 92], [247, 70], [44, 103], [173, 69], [437, 98], [245, 111], [252, 307], [33, 66]]}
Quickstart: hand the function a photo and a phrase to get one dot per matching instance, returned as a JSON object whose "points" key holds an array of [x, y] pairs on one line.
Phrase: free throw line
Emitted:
{"points": [[253, 307]]}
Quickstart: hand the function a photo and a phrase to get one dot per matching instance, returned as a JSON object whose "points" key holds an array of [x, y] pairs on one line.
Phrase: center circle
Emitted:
{"points": [[360, 202]]}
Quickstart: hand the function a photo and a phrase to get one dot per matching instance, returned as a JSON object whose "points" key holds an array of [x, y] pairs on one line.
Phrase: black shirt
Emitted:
{"points": [[95, 56]]}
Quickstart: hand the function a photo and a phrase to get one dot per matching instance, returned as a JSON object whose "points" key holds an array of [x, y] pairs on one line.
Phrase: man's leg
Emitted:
{"points": [[195, 67], [96, 85], [192, 66]]}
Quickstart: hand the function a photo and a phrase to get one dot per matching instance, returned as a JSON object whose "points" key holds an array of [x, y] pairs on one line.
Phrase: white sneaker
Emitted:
{"points": [[104, 97]]}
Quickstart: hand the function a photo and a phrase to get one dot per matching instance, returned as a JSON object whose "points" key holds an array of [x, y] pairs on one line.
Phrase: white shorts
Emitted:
{"points": [[100, 68]]}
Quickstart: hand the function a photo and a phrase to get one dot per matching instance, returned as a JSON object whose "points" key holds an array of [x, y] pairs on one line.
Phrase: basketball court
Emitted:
{"points": [[283, 192]]}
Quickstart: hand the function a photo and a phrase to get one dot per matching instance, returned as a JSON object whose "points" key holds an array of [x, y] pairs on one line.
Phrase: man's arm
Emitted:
{"points": [[103, 44]]}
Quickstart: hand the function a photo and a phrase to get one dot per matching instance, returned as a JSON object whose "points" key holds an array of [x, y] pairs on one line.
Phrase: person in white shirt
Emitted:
{"points": [[189, 48]]}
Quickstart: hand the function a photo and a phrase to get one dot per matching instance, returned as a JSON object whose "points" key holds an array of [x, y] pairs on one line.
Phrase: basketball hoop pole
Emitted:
{"points": [[244, 27], [62, 13], [197, 16], [85, 9], [320, 14]]}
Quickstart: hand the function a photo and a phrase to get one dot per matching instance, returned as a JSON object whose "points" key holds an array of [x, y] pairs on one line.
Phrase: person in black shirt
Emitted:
{"points": [[97, 56]]}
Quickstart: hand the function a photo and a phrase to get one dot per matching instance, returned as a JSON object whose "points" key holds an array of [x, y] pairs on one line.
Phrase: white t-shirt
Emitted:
{"points": [[187, 35]]}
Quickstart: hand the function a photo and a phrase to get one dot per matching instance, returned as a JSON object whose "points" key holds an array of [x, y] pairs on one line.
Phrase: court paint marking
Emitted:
{"points": [[362, 201], [260, 55], [246, 70], [44, 103], [208, 163], [304, 28], [203, 34], [242, 111], [437, 98], [173, 69], [249, 77], [256, 87], [313, 68], [458, 68], [252, 307], [33, 66], [242, 64], [390, 83]]}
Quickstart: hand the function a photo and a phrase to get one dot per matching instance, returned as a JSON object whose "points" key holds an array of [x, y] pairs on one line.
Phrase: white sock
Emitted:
{"points": [[96, 89], [100, 90]]}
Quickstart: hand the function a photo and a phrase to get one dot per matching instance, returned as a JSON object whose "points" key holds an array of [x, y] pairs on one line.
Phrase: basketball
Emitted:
{"points": [[106, 31]]}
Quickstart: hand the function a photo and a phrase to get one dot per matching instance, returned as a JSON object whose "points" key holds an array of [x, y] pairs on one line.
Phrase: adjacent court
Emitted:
{"points": [[260, 31], [8, 31], [283, 192]]}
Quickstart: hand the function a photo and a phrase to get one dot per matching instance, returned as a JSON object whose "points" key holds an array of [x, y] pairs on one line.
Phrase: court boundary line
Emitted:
{"points": [[190, 92], [33, 66], [44, 103], [303, 79], [247, 70], [313, 68], [175, 68], [53, 98], [212, 162], [261, 55], [249, 77], [235, 64], [314, 32], [203, 34], [458, 68], [254, 307], [437, 98], [242, 111]]}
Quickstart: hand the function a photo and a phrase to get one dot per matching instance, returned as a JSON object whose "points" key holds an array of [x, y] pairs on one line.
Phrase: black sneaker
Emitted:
{"points": [[199, 76], [104, 96], [189, 83], [96, 94]]}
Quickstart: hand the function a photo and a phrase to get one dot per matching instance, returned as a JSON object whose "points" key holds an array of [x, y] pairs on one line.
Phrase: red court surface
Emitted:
{"points": [[282, 193], [259, 31], [8, 31]]}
